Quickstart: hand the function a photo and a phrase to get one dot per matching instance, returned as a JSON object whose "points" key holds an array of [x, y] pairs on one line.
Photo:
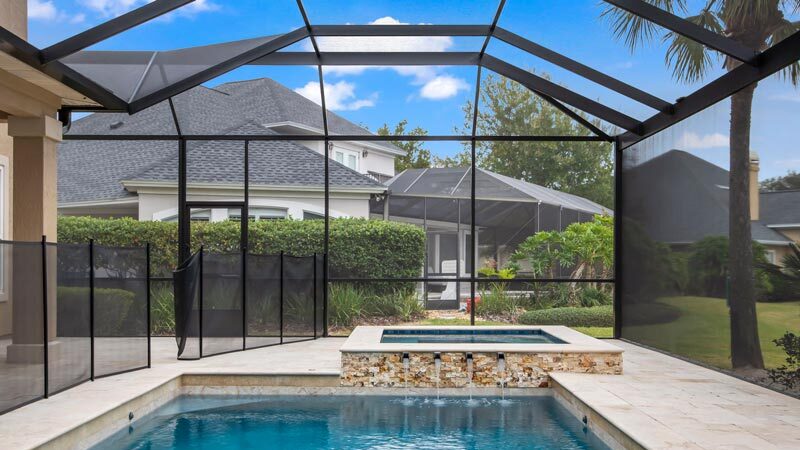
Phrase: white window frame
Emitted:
{"points": [[345, 153], [771, 256]]}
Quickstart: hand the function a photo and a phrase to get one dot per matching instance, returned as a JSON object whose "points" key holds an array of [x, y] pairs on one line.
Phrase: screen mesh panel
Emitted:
{"points": [[70, 360], [21, 355], [222, 303], [120, 309], [298, 298], [187, 305], [263, 300]]}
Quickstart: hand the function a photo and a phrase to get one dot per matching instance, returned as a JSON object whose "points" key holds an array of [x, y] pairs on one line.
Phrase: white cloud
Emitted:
{"points": [[425, 76], [793, 96], [443, 86], [339, 96], [46, 10], [113, 8], [42, 10], [694, 141]]}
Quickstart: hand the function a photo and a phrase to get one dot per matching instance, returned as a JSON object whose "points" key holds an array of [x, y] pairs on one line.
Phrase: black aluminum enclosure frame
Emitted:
{"points": [[755, 67]]}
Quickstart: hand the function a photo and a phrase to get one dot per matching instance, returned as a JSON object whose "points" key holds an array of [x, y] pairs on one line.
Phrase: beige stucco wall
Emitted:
{"points": [[157, 206], [14, 17]]}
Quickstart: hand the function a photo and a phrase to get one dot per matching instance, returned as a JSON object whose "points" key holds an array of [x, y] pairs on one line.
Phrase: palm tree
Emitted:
{"points": [[757, 24]]}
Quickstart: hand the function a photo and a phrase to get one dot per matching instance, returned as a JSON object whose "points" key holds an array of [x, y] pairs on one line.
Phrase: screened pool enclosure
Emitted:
{"points": [[474, 215]]}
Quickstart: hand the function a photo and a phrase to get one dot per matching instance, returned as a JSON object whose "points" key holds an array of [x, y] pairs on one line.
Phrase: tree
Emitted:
{"points": [[756, 24], [508, 108], [586, 247], [787, 182], [417, 156]]}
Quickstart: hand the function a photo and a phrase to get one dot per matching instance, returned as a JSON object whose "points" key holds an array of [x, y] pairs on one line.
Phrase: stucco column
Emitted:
{"points": [[35, 215]]}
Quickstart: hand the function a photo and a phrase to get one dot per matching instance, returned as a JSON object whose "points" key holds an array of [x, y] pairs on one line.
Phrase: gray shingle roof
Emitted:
{"points": [[679, 198], [282, 163], [780, 207], [93, 170]]}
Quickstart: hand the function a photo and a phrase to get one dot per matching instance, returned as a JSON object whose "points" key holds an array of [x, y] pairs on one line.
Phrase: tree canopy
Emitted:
{"points": [[417, 156], [508, 108], [787, 182]]}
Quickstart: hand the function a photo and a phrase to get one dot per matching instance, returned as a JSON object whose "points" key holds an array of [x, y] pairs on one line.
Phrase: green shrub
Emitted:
{"points": [[350, 302], [496, 301], [789, 373], [162, 310], [110, 311], [590, 296], [596, 316], [358, 248], [344, 304]]}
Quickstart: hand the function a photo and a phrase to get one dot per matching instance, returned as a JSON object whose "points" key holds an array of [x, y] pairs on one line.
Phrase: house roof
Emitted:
{"points": [[273, 163], [679, 198], [455, 182], [780, 207], [93, 170]]}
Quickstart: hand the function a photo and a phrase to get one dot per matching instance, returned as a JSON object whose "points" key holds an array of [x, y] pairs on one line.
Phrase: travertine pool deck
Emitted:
{"points": [[659, 401]]}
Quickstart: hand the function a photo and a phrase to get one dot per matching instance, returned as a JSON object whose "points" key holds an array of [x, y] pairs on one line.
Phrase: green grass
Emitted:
{"points": [[702, 330], [447, 322], [598, 332]]}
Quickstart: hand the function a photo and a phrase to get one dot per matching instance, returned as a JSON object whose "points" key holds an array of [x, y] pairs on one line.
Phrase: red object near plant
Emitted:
{"points": [[469, 303]]}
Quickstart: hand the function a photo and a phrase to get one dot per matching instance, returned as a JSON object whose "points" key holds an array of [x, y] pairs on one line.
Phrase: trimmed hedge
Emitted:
{"points": [[111, 311], [596, 316], [359, 248]]}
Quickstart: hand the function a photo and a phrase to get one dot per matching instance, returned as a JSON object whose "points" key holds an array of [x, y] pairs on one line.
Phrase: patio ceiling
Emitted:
{"points": [[134, 80]]}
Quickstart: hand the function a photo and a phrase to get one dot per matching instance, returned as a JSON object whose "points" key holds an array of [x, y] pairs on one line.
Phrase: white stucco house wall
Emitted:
{"points": [[139, 178]]}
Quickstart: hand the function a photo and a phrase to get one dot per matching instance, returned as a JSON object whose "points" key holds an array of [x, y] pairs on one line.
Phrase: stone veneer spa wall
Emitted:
{"points": [[370, 365]]}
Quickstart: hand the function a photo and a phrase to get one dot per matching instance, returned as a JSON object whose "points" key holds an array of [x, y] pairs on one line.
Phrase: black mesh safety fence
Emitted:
{"points": [[121, 308], [298, 298], [187, 306], [224, 304], [222, 324], [263, 300], [22, 368], [89, 303], [68, 364]]}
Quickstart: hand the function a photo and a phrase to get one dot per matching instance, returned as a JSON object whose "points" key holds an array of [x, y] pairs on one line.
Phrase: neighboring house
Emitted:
{"points": [[139, 178], [507, 211], [679, 199]]}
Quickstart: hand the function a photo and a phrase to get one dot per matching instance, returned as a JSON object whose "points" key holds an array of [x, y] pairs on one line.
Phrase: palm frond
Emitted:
{"points": [[784, 30], [634, 30], [690, 59]]}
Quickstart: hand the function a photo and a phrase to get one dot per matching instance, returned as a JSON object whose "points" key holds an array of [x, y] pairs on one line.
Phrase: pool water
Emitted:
{"points": [[468, 336], [356, 422]]}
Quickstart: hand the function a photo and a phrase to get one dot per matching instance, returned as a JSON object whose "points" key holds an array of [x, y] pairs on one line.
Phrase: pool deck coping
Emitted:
{"points": [[367, 339], [659, 402]]}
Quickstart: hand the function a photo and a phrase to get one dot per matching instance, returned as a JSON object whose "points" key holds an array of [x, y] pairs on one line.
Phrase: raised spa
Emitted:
{"points": [[468, 336], [448, 357]]}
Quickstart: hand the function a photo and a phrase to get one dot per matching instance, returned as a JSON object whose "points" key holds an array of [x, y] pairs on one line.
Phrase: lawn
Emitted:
{"points": [[702, 330]]}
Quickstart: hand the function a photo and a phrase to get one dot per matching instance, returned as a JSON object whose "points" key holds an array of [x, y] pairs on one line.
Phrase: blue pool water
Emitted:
{"points": [[346, 422], [468, 336]]}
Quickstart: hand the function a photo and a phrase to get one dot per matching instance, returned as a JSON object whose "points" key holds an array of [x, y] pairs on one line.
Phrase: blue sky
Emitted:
{"points": [[432, 97]]}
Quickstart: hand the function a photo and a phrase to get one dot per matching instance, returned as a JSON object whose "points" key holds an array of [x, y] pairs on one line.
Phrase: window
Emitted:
{"points": [[258, 214], [770, 255], [308, 215], [347, 158]]}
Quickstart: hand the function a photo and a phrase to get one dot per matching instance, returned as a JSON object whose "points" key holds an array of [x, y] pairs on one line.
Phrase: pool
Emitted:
{"points": [[356, 422], [468, 336]]}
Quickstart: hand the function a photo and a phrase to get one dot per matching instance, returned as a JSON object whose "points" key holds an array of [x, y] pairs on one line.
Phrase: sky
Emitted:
{"points": [[433, 97]]}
